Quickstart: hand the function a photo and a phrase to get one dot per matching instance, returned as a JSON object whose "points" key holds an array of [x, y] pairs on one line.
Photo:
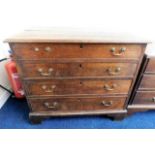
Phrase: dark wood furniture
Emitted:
{"points": [[143, 97], [76, 74]]}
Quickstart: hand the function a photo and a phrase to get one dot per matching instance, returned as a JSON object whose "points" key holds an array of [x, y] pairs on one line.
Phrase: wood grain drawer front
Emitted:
{"points": [[47, 50], [150, 66], [68, 87], [144, 97], [77, 104], [78, 69], [147, 83]]}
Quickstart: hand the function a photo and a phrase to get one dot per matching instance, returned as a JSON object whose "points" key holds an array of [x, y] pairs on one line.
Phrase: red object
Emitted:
{"points": [[14, 79]]}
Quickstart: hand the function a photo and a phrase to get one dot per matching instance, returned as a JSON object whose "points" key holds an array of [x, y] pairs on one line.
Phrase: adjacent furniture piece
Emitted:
{"points": [[143, 97], [66, 74]]}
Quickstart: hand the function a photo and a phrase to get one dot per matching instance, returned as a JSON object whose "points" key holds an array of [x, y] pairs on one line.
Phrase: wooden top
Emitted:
{"points": [[40, 35]]}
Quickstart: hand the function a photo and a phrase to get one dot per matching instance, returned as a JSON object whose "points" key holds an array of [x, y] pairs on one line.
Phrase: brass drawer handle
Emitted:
{"points": [[49, 73], [48, 49], [153, 99], [115, 72], [107, 87], [107, 103], [48, 90], [122, 50], [53, 106], [36, 49]]}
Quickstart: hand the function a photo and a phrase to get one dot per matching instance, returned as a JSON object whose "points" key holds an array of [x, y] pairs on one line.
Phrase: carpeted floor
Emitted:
{"points": [[14, 114]]}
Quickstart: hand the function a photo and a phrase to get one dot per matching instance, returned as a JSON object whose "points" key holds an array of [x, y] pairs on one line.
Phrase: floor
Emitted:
{"points": [[14, 114]]}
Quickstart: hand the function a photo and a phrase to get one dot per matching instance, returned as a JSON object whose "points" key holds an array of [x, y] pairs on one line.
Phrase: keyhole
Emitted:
{"points": [[81, 45], [80, 65], [79, 100], [81, 82]]}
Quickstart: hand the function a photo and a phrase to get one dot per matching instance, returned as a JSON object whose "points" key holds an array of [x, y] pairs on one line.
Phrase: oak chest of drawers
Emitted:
{"points": [[76, 74], [143, 96]]}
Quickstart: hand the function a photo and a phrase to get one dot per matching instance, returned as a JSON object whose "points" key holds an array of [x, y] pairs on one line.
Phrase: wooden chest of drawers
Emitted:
{"points": [[76, 74], [143, 97]]}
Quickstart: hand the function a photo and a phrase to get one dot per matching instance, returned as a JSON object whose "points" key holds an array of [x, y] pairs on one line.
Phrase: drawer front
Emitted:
{"points": [[55, 50], [150, 66], [68, 87], [147, 83], [77, 104], [144, 97], [42, 70]]}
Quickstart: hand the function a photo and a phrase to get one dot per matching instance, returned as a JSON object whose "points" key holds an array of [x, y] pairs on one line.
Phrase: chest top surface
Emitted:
{"points": [[49, 35]]}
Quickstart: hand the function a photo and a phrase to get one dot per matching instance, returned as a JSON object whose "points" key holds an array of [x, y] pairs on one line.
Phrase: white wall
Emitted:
{"points": [[129, 16]]}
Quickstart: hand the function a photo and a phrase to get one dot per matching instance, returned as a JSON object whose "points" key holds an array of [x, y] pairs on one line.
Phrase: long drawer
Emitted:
{"points": [[49, 69], [77, 104], [148, 82], [68, 87], [75, 50], [150, 68], [144, 97]]}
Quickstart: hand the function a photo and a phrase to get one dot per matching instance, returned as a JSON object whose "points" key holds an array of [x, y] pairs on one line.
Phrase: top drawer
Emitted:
{"points": [[74, 50], [151, 65]]}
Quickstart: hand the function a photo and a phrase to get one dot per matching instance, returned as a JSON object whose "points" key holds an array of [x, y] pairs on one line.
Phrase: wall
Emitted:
{"points": [[121, 16], [131, 16]]}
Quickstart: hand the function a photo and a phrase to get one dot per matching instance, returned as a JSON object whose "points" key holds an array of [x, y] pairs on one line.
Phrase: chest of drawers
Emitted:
{"points": [[76, 74], [143, 96]]}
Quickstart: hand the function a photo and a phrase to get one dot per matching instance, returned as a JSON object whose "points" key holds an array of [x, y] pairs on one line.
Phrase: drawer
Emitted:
{"points": [[65, 50], [77, 104], [151, 65], [147, 83], [49, 69], [144, 97], [71, 87]]}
